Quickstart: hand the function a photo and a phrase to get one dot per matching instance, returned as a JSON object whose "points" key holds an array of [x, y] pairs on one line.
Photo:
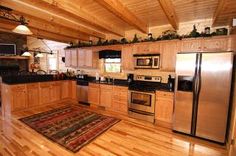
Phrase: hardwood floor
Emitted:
{"points": [[128, 137]]}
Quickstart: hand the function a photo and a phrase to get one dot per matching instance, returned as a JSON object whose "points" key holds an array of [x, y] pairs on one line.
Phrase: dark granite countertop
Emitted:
{"points": [[20, 79]]}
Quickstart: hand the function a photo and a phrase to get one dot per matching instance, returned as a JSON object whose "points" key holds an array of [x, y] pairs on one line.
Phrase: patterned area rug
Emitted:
{"points": [[71, 127]]}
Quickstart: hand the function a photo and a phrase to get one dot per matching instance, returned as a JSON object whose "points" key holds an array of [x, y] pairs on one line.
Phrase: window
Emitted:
{"points": [[52, 63], [113, 65]]}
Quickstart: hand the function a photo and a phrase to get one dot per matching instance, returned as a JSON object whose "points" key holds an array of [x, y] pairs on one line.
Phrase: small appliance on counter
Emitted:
{"points": [[171, 83], [130, 78]]}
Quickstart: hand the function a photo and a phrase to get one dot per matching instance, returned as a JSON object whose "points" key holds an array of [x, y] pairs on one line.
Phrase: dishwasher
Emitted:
{"points": [[82, 92]]}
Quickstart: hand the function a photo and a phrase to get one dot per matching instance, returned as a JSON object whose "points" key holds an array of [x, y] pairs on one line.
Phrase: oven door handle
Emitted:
{"points": [[140, 112]]}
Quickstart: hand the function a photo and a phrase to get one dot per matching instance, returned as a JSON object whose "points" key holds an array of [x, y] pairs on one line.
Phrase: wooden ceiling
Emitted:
{"points": [[71, 20]]}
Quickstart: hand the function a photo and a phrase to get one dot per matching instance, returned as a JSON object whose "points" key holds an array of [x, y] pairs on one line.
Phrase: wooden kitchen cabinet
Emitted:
{"points": [[105, 95], [19, 97], [127, 59], [94, 93], [33, 94], [81, 57], [191, 45], [74, 58], [147, 48], [164, 106], [215, 44], [120, 99], [67, 58], [55, 92], [65, 89], [45, 93], [73, 90], [87, 58], [168, 50]]}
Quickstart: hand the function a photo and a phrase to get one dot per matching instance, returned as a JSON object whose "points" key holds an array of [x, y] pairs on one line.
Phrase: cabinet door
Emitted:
{"points": [[74, 57], [141, 48], [33, 94], [154, 48], [127, 58], [45, 90], [94, 94], [55, 91], [73, 90], [19, 97], [81, 57], [191, 45], [65, 88], [67, 58], [164, 106], [215, 44], [105, 95], [88, 58], [168, 55]]}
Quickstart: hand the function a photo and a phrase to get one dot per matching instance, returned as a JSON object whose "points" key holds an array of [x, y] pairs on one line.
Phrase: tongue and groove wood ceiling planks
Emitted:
{"points": [[82, 19]]}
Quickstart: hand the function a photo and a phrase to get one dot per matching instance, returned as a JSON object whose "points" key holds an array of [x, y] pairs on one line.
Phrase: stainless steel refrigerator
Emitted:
{"points": [[202, 93]]}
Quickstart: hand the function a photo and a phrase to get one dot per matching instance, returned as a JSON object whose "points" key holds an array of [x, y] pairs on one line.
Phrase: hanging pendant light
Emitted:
{"points": [[22, 28], [39, 55], [26, 54]]}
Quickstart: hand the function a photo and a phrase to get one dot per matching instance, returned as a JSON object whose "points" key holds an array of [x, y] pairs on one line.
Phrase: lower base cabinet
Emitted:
{"points": [[24, 96], [94, 93], [120, 99], [19, 97], [33, 94], [164, 106], [114, 98], [106, 95]]}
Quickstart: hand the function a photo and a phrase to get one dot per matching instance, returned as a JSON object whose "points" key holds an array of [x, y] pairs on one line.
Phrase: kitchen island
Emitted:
{"points": [[19, 95]]}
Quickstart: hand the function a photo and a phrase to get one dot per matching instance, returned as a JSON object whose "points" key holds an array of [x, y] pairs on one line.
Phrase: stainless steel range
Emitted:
{"points": [[142, 97]]}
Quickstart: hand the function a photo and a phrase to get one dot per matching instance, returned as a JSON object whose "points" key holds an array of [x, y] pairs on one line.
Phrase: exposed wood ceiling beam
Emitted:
{"points": [[118, 9], [76, 13], [218, 10], [5, 25], [30, 7], [168, 8], [53, 28]]}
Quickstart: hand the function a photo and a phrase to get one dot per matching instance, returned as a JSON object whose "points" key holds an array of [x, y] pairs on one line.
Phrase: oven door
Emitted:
{"points": [[143, 62], [142, 101]]}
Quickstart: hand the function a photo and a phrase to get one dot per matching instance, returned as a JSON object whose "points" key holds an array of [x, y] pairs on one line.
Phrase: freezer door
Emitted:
{"points": [[185, 73], [213, 103]]}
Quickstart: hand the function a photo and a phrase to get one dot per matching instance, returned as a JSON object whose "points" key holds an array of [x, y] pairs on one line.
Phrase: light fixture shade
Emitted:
{"points": [[26, 54], [39, 55], [22, 29]]}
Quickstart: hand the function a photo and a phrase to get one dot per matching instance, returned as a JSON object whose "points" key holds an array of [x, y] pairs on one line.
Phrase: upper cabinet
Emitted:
{"points": [[168, 50], [208, 44], [146, 48], [87, 58], [216, 44], [191, 45], [74, 56], [71, 58], [127, 57], [67, 58]]}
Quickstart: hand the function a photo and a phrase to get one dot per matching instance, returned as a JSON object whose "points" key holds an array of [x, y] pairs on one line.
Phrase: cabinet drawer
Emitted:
{"points": [[106, 87], [163, 94], [45, 84], [32, 85], [18, 87], [94, 85]]}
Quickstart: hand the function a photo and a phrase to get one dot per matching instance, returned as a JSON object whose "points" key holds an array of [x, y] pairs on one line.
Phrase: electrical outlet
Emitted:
{"points": [[234, 22]]}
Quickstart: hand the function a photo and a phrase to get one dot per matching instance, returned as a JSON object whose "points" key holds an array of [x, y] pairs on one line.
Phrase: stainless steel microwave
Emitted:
{"points": [[147, 61]]}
